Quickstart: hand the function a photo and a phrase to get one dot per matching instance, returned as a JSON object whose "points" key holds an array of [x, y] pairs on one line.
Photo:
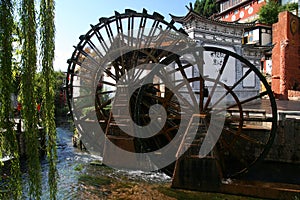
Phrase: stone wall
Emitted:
{"points": [[294, 94], [286, 146], [286, 55]]}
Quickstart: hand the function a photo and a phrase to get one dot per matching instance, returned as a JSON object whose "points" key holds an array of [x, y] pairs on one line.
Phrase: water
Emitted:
{"points": [[69, 161]]}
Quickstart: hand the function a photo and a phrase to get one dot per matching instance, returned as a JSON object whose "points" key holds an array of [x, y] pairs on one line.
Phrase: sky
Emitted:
{"points": [[73, 18]]}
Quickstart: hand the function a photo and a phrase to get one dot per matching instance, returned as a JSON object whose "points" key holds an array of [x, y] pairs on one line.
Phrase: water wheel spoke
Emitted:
{"points": [[103, 104], [83, 96], [118, 71], [84, 65], [216, 105], [83, 77], [219, 110], [141, 29], [219, 100], [180, 94], [171, 109], [152, 31], [84, 88], [89, 115], [185, 102], [130, 29], [105, 92], [108, 83], [243, 136], [100, 39], [79, 108], [93, 62], [109, 32], [181, 69], [118, 21], [259, 96], [241, 79], [173, 59], [216, 81], [170, 131], [137, 74], [94, 48], [150, 55], [230, 89]]}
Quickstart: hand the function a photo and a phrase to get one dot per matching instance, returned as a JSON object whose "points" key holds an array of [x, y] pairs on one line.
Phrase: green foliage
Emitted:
{"points": [[79, 167], [29, 67], [18, 66], [8, 140], [206, 7], [61, 108], [289, 7], [199, 6], [47, 32], [16, 59], [95, 181], [268, 13]]}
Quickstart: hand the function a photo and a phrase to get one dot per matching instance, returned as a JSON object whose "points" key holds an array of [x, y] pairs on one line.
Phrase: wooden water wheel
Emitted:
{"points": [[108, 59]]}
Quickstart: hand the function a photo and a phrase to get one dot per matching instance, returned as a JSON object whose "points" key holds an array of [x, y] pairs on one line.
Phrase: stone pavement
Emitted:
{"points": [[282, 105], [288, 105]]}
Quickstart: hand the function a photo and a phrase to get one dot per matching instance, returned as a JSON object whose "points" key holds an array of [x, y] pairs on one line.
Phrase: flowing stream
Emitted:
{"points": [[69, 160]]}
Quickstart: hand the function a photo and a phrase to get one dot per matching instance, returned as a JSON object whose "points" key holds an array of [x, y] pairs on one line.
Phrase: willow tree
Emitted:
{"points": [[28, 94], [8, 141], [29, 111], [47, 32]]}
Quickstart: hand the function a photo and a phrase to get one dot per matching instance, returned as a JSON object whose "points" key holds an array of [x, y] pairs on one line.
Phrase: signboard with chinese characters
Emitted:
{"points": [[213, 62]]}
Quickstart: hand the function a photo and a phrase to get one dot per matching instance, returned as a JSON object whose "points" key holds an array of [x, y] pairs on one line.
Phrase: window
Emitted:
{"points": [[248, 37], [225, 5], [228, 4]]}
